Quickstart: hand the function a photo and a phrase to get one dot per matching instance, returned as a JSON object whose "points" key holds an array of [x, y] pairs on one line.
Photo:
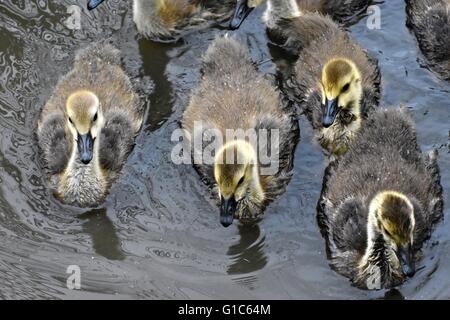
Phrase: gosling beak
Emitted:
{"points": [[92, 4], [330, 113], [405, 256], [241, 12], [227, 211], [85, 147]]}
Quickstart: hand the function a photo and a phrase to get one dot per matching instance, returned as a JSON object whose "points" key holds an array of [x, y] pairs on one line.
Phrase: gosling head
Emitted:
{"points": [[243, 9], [84, 120], [392, 215], [237, 178], [341, 89]]}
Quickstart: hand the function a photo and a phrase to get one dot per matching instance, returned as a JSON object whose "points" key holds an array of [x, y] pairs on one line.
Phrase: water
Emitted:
{"points": [[158, 233]]}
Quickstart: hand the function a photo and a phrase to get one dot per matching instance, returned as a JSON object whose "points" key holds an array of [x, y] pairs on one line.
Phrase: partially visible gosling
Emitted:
{"points": [[430, 22], [379, 203], [233, 95], [169, 20], [334, 82], [87, 128], [344, 12]]}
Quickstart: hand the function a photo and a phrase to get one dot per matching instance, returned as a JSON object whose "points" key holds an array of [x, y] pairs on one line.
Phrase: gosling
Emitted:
{"points": [[336, 90], [87, 128], [430, 22], [233, 95], [379, 203], [344, 12], [334, 82], [169, 20]]}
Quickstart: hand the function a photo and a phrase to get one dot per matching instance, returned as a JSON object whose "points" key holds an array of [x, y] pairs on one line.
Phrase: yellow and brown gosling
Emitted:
{"points": [[233, 95], [169, 20], [338, 97], [379, 203], [336, 85], [430, 22], [334, 82], [87, 128]]}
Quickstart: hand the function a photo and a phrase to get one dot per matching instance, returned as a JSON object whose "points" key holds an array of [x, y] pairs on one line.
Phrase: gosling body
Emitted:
{"points": [[430, 22], [233, 95], [344, 12], [379, 203], [334, 81], [169, 20], [336, 85], [87, 128]]}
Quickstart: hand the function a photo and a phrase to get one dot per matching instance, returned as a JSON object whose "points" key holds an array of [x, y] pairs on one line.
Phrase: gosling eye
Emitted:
{"points": [[240, 181], [95, 117], [345, 88], [388, 233], [70, 120]]}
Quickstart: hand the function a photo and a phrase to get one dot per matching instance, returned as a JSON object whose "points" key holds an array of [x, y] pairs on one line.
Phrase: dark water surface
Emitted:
{"points": [[158, 234]]}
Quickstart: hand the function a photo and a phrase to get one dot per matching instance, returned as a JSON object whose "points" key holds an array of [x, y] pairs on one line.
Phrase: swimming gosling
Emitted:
{"points": [[343, 12], [379, 203], [336, 90], [169, 20], [233, 95], [87, 128], [334, 82], [430, 22]]}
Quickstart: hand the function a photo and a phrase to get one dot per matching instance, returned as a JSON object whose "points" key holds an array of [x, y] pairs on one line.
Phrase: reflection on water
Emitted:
{"points": [[155, 59], [248, 254], [103, 233], [393, 294]]}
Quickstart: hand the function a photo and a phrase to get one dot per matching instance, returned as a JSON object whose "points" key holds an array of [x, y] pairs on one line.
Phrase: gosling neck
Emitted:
{"points": [[356, 108], [280, 9], [257, 193], [379, 260], [84, 184], [354, 121]]}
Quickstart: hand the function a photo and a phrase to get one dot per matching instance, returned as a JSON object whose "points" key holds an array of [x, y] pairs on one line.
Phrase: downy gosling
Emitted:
{"points": [[379, 203], [334, 82], [169, 20], [336, 85], [87, 128], [430, 22], [344, 12], [233, 95]]}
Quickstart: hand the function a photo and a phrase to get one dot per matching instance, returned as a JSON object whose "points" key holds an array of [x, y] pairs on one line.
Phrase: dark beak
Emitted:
{"points": [[227, 211], [85, 147], [92, 4], [330, 112], [241, 12], [406, 258]]}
